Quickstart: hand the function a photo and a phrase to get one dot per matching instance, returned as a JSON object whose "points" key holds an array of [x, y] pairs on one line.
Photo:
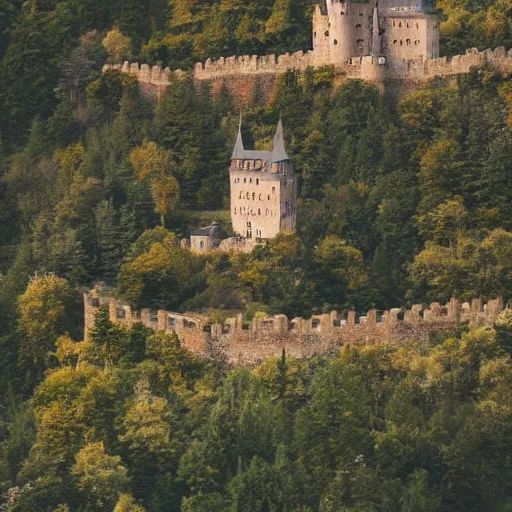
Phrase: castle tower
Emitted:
{"points": [[343, 32], [400, 30], [263, 190]]}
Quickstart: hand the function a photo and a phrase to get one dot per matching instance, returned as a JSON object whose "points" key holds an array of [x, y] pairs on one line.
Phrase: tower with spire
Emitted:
{"points": [[263, 189]]}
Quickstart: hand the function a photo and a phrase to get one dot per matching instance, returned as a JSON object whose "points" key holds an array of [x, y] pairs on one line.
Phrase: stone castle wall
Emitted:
{"points": [[248, 77], [239, 343]]}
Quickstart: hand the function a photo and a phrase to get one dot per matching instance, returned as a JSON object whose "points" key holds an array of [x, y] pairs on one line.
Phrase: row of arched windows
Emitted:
{"points": [[407, 42], [405, 24], [243, 210], [249, 196], [237, 180]]}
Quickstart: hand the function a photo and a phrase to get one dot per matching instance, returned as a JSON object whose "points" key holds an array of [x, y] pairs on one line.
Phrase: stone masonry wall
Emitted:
{"points": [[238, 343], [248, 77]]}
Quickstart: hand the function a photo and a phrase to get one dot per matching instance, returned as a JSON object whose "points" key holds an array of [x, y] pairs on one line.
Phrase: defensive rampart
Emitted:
{"points": [[240, 343], [246, 75]]}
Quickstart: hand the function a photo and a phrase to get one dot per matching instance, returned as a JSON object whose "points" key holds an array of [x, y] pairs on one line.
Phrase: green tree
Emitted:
{"points": [[101, 478]]}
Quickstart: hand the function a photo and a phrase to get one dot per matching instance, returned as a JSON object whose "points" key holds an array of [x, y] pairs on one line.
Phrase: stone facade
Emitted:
{"points": [[386, 41], [239, 343], [263, 190]]}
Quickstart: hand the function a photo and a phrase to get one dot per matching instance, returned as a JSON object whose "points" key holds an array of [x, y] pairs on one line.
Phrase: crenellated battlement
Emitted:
{"points": [[368, 68], [238, 342]]}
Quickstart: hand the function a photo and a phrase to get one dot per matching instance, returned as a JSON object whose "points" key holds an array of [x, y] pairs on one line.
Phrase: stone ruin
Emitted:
{"points": [[236, 342]]}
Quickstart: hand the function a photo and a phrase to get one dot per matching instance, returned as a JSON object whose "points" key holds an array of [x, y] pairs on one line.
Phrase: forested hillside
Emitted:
{"points": [[130, 422], [401, 200]]}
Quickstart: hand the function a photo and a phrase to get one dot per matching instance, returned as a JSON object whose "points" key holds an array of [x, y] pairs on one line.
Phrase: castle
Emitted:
{"points": [[392, 43], [263, 190], [263, 198]]}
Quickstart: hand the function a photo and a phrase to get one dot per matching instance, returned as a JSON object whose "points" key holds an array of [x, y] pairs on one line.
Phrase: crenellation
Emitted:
{"points": [[242, 343], [393, 43]]}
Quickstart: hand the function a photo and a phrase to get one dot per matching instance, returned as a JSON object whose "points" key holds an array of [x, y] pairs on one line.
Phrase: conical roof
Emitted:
{"points": [[239, 150], [279, 152]]}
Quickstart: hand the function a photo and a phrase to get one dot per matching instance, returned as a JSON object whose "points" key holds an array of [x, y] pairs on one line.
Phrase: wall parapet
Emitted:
{"points": [[367, 67], [238, 342]]}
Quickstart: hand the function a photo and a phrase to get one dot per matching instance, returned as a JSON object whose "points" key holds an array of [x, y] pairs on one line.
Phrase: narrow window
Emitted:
{"points": [[326, 33], [268, 198], [408, 42], [259, 211], [257, 181], [400, 24], [335, 42], [245, 180], [201, 245], [358, 25], [273, 190], [253, 196]]}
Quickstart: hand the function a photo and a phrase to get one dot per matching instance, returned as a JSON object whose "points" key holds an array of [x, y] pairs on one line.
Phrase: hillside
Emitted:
{"points": [[402, 200]]}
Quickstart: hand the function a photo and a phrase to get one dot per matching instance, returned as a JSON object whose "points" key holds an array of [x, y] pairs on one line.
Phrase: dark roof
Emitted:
{"points": [[278, 154], [214, 231]]}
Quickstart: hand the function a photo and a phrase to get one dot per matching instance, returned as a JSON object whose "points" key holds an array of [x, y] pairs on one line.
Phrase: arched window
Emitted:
{"points": [[235, 210], [253, 196], [335, 42], [273, 190], [241, 193], [407, 42]]}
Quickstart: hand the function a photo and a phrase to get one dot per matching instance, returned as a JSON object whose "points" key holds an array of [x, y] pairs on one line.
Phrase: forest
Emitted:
{"points": [[129, 421], [401, 200]]}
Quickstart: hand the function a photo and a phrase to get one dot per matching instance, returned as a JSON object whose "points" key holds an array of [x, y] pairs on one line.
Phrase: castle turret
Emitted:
{"points": [[263, 189]]}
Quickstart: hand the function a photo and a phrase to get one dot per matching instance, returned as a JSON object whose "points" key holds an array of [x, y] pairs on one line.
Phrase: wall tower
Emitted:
{"points": [[263, 190]]}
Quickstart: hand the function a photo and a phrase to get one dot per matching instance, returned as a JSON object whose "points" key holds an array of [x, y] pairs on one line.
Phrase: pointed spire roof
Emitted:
{"points": [[376, 40], [279, 152], [239, 150]]}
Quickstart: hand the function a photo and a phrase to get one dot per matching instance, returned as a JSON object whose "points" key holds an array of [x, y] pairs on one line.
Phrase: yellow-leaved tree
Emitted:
{"points": [[153, 164], [117, 45]]}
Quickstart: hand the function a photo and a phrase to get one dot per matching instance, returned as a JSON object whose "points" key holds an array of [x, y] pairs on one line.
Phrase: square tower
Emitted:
{"points": [[263, 190]]}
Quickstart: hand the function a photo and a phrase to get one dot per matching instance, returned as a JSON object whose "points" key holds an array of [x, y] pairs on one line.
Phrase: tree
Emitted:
{"points": [[101, 478], [154, 164], [126, 503], [45, 312], [117, 45]]}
